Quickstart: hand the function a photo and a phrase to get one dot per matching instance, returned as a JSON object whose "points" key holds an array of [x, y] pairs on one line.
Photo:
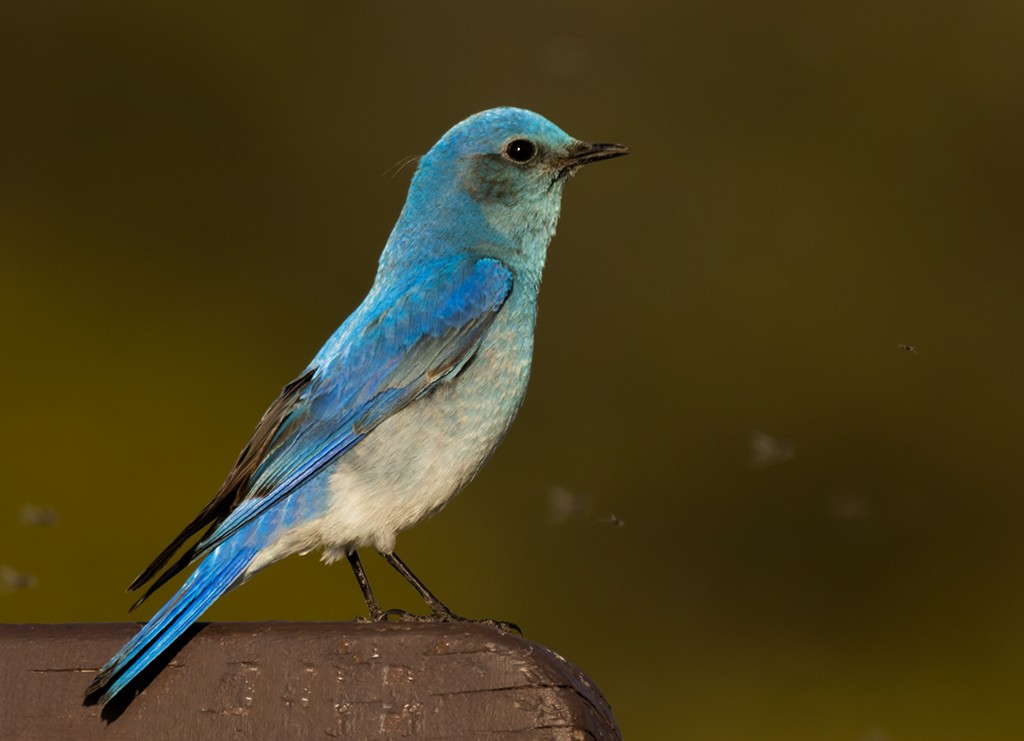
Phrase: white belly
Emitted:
{"points": [[415, 461]]}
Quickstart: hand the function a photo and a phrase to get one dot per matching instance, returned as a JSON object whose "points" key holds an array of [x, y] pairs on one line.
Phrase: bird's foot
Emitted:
{"points": [[443, 615], [438, 616], [503, 625], [404, 616], [400, 616]]}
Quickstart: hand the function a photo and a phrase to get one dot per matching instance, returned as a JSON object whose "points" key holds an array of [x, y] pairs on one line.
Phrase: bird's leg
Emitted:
{"points": [[376, 614], [441, 612]]}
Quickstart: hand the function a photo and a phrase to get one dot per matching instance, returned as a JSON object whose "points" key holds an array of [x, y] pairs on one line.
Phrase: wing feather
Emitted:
{"points": [[392, 351]]}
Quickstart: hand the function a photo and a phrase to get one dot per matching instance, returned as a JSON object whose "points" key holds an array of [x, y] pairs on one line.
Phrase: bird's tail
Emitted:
{"points": [[217, 573]]}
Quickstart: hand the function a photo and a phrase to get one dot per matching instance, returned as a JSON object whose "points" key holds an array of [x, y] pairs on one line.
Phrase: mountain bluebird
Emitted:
{"points": [[408, 398]]}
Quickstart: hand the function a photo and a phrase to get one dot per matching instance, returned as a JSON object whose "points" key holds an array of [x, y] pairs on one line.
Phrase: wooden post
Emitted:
{"points": [[301, 680]]}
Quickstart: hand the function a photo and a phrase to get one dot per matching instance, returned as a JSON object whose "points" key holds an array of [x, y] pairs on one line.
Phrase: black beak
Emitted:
{"points": [[583, 153]]}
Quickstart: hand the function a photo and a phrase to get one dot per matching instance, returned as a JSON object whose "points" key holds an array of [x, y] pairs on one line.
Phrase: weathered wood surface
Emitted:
{"points": [[301, 680]]}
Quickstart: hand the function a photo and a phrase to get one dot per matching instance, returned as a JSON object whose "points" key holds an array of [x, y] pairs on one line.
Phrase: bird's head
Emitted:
{"points": [[507, 165]]}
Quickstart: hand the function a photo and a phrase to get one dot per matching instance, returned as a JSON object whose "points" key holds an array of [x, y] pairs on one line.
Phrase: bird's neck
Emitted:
{"points": [[452, 223]]}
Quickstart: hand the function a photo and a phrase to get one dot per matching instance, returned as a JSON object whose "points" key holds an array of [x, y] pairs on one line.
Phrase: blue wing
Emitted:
{"points": [[396, 347]]}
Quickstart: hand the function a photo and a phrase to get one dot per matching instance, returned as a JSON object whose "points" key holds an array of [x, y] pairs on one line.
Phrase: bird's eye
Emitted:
{"points": [[520, 150]]}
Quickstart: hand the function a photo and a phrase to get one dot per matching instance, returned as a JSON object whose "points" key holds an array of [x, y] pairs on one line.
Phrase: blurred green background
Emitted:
{"points": [[732, 497]]}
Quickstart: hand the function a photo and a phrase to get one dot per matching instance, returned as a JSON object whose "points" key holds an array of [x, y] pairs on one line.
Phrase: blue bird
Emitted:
{"points": [[409, 397]]}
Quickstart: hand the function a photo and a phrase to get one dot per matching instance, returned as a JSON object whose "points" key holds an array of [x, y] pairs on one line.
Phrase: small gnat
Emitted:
{"points": [[612, 520], [765, 449], [849, 505], [564, 505], [907, 348], [12, 580], [32, 515]]}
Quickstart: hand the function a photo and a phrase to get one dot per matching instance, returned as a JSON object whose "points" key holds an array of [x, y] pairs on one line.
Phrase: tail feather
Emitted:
{"points": [[214, 576]]}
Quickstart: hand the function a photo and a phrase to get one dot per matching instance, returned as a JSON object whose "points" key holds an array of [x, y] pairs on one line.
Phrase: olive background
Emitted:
{"points": [[766, 483]]}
